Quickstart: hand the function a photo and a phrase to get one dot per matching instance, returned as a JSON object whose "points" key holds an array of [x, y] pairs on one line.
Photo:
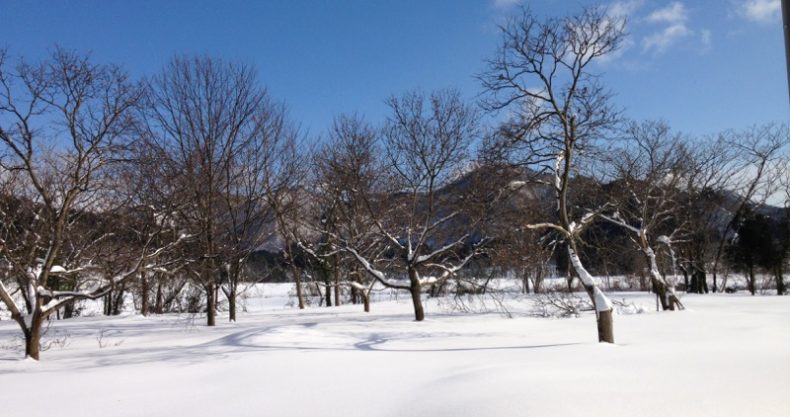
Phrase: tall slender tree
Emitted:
{"points": [[203, 115], [542, 74]]}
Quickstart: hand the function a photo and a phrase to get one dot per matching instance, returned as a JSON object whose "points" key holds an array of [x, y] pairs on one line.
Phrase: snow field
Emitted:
{"points": [[727, 355]]}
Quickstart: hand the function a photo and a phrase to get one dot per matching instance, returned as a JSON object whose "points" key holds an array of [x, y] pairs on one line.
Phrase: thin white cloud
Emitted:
{"points": [[624, 9], [675, 16], [661, 41], [505, 3], [706, 36], [618, 11], [761, 11], [706, 40], [673, 13]]}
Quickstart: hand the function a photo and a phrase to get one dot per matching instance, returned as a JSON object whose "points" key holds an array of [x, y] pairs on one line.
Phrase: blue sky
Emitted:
{"points": [[701, 65]]}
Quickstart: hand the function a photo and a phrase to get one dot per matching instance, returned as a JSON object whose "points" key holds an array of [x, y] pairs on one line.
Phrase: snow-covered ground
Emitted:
{"points": [[726, 355]]}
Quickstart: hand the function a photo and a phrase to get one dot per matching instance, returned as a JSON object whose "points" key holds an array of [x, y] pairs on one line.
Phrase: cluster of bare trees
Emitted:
{"points": [[107, 181], [111, 187], [666, 192]]}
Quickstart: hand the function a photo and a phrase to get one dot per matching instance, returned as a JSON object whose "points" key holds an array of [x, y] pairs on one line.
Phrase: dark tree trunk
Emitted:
{"points": [[107, 310], [68, 310], [234, 274], [158, 307], [752, 281], [525, 280], [605, 327], [366, 300], [328, 292], [336, 274], [660, 290], [699, 282], [297, 273], [33, 338], [117, 304], [232, 303], [416, 294], [211, 305], [144, 295]]}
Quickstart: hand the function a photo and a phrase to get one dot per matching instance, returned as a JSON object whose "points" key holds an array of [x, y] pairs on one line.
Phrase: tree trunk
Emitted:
{"points": [[656, 279], [144, 296], [158, 307], [336, 273], [525, 280], [416, 294], [660, 290], [107, 310], [354, 295], [699, 282], [33, 338], [68, 310], [297, 273], [232, 303], [366, 300], [328, 292], [211, 305], [569, 277], [117, 304], [752, 281], [605, 327], [233, 283], [603, 307]]}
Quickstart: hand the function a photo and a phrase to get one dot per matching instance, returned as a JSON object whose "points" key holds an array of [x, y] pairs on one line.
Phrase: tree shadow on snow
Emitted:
{"points": [[257, 338]]}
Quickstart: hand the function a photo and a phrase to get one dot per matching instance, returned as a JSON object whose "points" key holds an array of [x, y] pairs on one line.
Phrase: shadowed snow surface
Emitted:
{"points": [[727, 355]]}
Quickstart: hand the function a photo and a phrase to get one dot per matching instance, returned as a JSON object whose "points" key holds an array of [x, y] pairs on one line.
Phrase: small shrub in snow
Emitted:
{"points": [[560, 305], [54, 338], [104, 339], [476, 302]]}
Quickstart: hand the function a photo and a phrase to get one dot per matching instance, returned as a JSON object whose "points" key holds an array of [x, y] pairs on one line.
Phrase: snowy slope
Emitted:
{"points": [[728, 355]]}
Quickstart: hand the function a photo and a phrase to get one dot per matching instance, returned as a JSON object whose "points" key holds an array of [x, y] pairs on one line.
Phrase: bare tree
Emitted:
{"points": [[251, 178], [784, 264], [203, 114], [542, 75], [287, 200], [426, 142], [349, 170], [758, 162], [649, 172], [142, 182], [64, 123], [700, 212], [516, 247]]}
